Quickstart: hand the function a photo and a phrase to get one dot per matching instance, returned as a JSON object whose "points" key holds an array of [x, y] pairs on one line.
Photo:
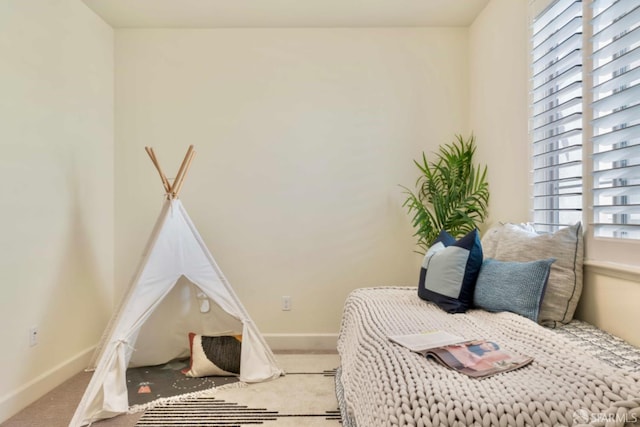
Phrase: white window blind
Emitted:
{"points": [[556, 120], [616, 118]]}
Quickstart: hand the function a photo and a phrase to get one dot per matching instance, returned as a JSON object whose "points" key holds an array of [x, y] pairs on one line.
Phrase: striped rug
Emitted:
{"points": [[304, 397]]}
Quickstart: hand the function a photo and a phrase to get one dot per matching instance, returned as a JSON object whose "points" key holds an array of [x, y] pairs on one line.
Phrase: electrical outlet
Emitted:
{"points": [[286, 303], [33, 336]]}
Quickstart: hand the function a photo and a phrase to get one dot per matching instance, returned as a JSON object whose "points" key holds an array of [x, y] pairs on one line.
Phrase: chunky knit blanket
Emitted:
{"points": [[385, 384]]}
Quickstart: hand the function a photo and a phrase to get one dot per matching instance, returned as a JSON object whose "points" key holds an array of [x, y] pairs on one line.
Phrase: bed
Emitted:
{"points": [[515, 287], [580, 375]]}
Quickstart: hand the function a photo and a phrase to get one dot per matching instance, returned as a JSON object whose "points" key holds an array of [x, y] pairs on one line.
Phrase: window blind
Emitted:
{"points": [[556, 115], [616, 118]]}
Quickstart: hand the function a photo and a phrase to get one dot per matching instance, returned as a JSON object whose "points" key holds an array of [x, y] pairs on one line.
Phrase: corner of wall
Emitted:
{"points": [[57, 104]]}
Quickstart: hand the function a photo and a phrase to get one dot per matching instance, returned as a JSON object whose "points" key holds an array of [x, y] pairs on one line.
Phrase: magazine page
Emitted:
{"points": [[478, 359], [426, 340]]}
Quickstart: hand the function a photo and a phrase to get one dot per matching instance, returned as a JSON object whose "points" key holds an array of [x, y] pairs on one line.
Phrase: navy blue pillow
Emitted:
{"points": [[449, 272], [444, 237]]}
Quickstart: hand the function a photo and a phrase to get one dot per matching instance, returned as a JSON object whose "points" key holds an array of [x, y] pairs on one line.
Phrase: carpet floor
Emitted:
{"points": [[303, 397]]}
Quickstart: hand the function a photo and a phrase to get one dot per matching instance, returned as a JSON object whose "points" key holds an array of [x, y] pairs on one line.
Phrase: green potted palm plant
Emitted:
{"points": [[451, 193]]}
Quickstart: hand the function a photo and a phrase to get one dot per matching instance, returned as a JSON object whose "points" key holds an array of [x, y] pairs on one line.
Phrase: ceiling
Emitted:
{"points": [[286, 13]]}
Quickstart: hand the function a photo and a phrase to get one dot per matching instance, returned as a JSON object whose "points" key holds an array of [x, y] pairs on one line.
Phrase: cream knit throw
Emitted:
{"points": [[387, 385]]}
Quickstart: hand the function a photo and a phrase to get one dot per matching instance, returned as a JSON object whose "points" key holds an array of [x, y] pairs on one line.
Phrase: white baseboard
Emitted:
{"points": [[28, 393], [302, 342]]}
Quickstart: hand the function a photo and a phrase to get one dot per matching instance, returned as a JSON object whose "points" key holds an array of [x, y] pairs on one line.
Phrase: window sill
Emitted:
{"points": [[612, 269]]}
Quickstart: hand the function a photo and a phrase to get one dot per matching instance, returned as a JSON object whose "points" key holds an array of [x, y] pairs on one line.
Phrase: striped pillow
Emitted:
{"points": [[214, 356]]}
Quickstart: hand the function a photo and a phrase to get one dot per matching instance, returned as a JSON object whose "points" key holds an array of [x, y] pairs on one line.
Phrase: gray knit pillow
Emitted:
{"points": [[512, 286], [490, 240], [491, 237], [565, 279]]}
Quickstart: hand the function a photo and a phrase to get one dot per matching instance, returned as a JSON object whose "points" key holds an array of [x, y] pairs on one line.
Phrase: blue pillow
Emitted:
{"points": [[517, 287], [444, 237], [449, 272]]}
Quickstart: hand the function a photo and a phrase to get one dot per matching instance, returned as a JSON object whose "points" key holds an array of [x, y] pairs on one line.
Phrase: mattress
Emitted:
{"points": [[580, 374], [606, 347]]}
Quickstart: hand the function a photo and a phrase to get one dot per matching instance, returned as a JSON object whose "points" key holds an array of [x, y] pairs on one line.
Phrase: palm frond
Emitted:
{"points": [[451, 193]]}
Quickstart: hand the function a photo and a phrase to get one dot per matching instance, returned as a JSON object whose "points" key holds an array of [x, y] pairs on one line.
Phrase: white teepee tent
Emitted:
{"points": [[159, 310]]}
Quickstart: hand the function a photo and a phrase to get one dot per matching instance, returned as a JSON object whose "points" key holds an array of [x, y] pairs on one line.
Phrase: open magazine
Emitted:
{"points": [[476, 358]]}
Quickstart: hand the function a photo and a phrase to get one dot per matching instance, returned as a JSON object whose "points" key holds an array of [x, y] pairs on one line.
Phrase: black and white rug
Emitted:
{"points": [[304, 397]]}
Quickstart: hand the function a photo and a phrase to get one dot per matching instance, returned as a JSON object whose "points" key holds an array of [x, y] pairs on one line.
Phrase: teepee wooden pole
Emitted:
{"points": [[179, 177], [165, 181], [176, 190]]}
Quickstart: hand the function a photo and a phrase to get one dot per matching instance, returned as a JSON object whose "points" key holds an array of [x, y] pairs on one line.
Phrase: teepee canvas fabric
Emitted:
{"points": [[177, 274]]}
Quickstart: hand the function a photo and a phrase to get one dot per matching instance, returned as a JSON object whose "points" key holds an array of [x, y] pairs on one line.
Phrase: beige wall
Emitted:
{"points": [[303, 137], [498, 105], [56, 169]]}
